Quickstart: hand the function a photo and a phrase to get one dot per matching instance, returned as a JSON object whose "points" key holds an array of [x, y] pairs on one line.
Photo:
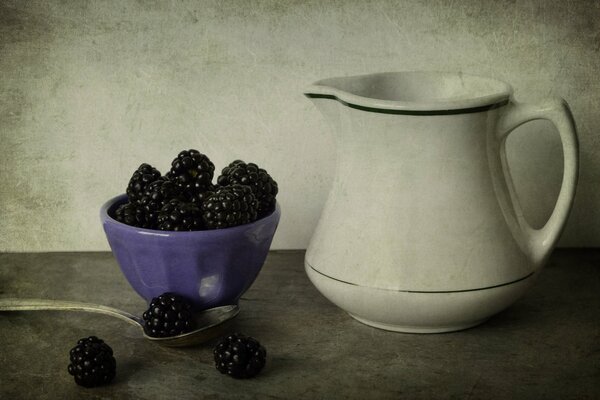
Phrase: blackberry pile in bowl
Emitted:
{"points": [[190, 232], [185, 198]]}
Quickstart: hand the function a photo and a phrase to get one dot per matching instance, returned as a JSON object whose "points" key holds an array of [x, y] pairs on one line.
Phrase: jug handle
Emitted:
{"points": [[538, 243]]}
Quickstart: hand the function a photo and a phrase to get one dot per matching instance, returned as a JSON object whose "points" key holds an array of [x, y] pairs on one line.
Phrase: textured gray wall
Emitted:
{"points": [[90, 89]]}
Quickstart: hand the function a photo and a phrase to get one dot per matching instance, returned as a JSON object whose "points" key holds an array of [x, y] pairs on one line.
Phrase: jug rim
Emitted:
{"points": [[390, 92]]}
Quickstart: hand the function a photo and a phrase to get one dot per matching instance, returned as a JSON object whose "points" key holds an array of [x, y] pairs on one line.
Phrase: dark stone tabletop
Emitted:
{"points": [[546, 346]]}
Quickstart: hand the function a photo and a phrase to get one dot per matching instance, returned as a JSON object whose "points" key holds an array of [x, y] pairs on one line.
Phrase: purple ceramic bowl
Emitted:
{"points": [[211, 268]]}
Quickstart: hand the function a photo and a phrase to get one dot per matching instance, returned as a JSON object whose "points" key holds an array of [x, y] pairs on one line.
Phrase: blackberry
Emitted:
{"points": [[168, 315], [240, 356], [156, 195], [193, 172], [198, 196], [92, 362], [264, 187], [133, 214], [144, 175], [229, 206], [178, 215]]}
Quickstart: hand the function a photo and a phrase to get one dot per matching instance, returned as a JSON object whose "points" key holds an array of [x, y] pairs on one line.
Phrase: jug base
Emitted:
{"points": [[418, 312], [418, 329]]}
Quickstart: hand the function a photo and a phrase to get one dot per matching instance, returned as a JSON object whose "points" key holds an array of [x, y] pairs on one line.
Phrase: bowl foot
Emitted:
{"points": [[418, 329]]}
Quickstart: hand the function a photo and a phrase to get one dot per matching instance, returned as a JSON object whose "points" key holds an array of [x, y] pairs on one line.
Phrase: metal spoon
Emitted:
{"points": [[210, 322]]}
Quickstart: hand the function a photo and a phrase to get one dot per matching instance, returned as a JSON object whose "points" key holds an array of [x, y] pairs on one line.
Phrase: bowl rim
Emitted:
{"points": [[106, 219]]}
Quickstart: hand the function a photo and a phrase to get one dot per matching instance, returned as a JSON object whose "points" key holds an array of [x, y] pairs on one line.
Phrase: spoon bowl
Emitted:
{"points": [[209, 323]]}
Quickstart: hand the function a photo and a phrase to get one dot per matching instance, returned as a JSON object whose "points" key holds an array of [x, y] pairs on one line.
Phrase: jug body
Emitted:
{"points": [[421, 231]]}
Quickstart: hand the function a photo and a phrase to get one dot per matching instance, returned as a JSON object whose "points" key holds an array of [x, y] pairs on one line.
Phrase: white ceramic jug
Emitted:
{"points": [[422, 230]]}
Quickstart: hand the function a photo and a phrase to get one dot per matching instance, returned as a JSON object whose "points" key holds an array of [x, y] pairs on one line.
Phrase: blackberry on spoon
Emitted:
{"points": [[168, 315]]}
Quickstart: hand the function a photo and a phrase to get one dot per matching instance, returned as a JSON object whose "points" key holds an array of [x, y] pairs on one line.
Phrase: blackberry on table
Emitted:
{"points": [[179, 215], [92, 362], [193, 172], [239, 356], [264, 187], [133, 214], [144, 175], [229, 206], [168, 315]]}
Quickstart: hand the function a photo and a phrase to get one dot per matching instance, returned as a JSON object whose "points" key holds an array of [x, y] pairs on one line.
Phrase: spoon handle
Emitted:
{"points": [[13, 304]]}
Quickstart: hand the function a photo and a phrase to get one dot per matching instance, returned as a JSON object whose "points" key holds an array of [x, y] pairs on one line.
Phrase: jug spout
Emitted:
{"points": [[413, 93]]}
